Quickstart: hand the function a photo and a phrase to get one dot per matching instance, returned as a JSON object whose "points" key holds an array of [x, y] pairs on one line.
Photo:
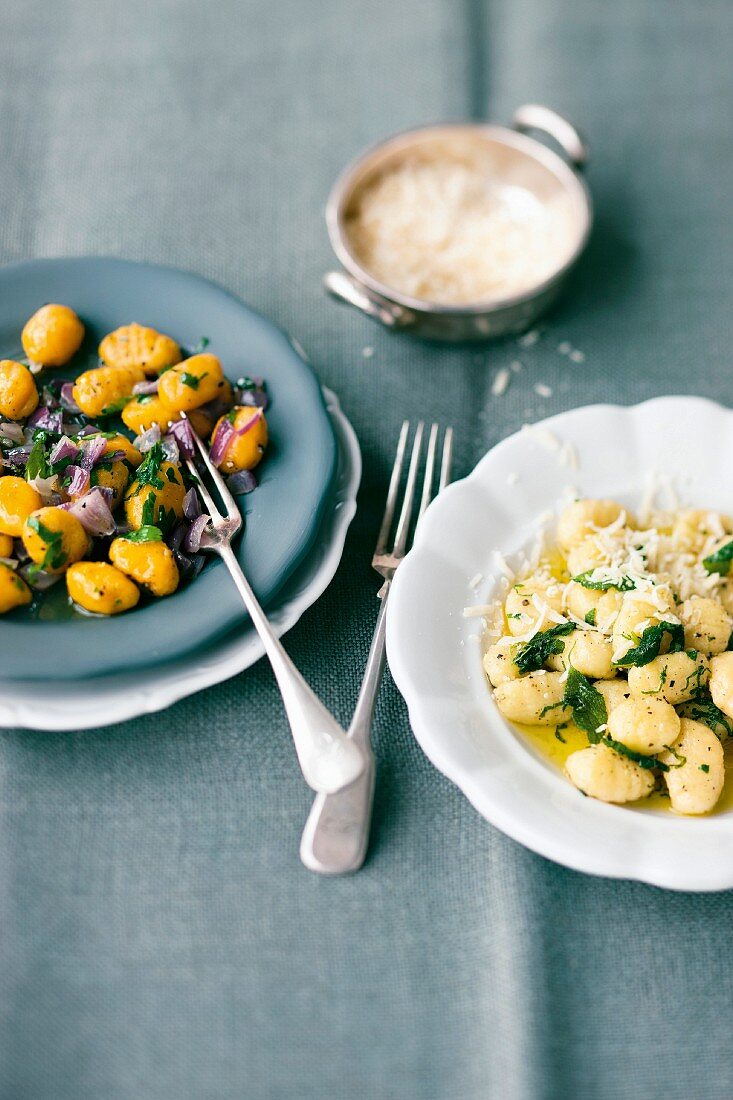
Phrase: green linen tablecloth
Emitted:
{"points": [[159, 939]]}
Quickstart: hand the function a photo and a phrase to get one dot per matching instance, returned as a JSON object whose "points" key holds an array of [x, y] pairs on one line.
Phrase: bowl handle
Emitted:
{"points": [[350, 290], [533, 116]]}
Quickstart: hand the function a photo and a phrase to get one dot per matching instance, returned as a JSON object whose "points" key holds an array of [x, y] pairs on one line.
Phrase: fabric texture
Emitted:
{"points": [[159, 939]]}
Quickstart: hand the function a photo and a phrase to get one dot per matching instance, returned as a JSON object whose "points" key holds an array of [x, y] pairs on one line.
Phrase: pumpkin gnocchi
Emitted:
{"points": [[82, 501]]}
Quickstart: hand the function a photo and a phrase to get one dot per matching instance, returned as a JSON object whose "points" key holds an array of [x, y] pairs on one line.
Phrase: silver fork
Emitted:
{"points": [[328, 759], [336, 834]]}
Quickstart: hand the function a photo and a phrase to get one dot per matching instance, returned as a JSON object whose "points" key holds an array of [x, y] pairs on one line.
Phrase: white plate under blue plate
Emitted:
{"points": [[54, 705], [435, 656]]}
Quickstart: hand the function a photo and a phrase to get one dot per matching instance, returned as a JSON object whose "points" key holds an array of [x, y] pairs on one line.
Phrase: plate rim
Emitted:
{"points": [[227, 657], [638, 863]]}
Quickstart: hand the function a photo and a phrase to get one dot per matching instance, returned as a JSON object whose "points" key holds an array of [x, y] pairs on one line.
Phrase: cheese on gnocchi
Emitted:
{"points": [[622, 631]]}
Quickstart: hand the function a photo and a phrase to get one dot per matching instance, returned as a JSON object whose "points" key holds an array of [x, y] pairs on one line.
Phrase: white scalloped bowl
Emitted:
{"points": [[435, 657]]}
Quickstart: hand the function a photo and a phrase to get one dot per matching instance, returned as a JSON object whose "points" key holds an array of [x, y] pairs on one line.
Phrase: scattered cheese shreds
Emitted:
{"points": [[501, 382], [543, 436], [542, 390], [367, 352], [475, 581], [478, 610], [529, 339]]}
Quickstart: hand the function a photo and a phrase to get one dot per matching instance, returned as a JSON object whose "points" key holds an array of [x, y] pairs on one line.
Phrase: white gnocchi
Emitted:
{"points": [[696, 769], [534, 700], [624, 631], [601, 773]]}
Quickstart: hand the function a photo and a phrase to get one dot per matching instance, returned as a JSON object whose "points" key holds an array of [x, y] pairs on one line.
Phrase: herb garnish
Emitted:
{"points": [[590, 617], [650, 644], [703, 709], [192, 380], [704, 768], [662, 682], [638, 757], [148, 512], [149, 469], [54, 556], [146, 533], [624, 585], [37, 464], [532, 655], [589, 706], [719, 562]]}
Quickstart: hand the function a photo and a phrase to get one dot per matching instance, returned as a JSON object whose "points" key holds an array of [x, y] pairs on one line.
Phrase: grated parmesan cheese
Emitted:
{"points": [[501, 382], [442, 230]]}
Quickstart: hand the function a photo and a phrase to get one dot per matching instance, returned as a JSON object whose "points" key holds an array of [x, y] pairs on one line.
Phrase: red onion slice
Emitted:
{"points": [[191, 505], [145, 387], [183, 434], [79, 481], [12, 431], [67, 398], [65, 448], [147, 439], [51, 420], [170, 449], [192, 541], [92, 452], [93, 513], [38, 579], [244, 481], [222, 437], [18, 456]]}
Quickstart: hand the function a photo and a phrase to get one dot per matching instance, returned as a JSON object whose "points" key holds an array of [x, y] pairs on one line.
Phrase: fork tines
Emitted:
{"points": [[385, 560]]}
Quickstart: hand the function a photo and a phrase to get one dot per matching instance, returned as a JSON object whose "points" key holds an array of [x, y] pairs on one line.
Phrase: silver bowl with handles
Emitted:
{"points": [[515, 156]]}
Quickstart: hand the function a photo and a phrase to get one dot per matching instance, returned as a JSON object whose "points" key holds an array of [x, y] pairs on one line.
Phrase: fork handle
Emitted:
{"points": [[328, 758], [336, 834]]}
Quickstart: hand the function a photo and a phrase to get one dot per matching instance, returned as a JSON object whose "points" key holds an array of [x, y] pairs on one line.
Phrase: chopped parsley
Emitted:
{"points": [[37, 464], [192, 380], [148, 512], [532, 655], [54, 557], [719, 562], [590, 617], [705, 768], [149, 470], [201, 346], [146, 533], [624, 585], [589, 706], [649, 645]]}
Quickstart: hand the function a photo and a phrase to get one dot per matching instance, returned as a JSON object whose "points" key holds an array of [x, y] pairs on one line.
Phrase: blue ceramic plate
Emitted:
{"points": [[282, 514]]}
